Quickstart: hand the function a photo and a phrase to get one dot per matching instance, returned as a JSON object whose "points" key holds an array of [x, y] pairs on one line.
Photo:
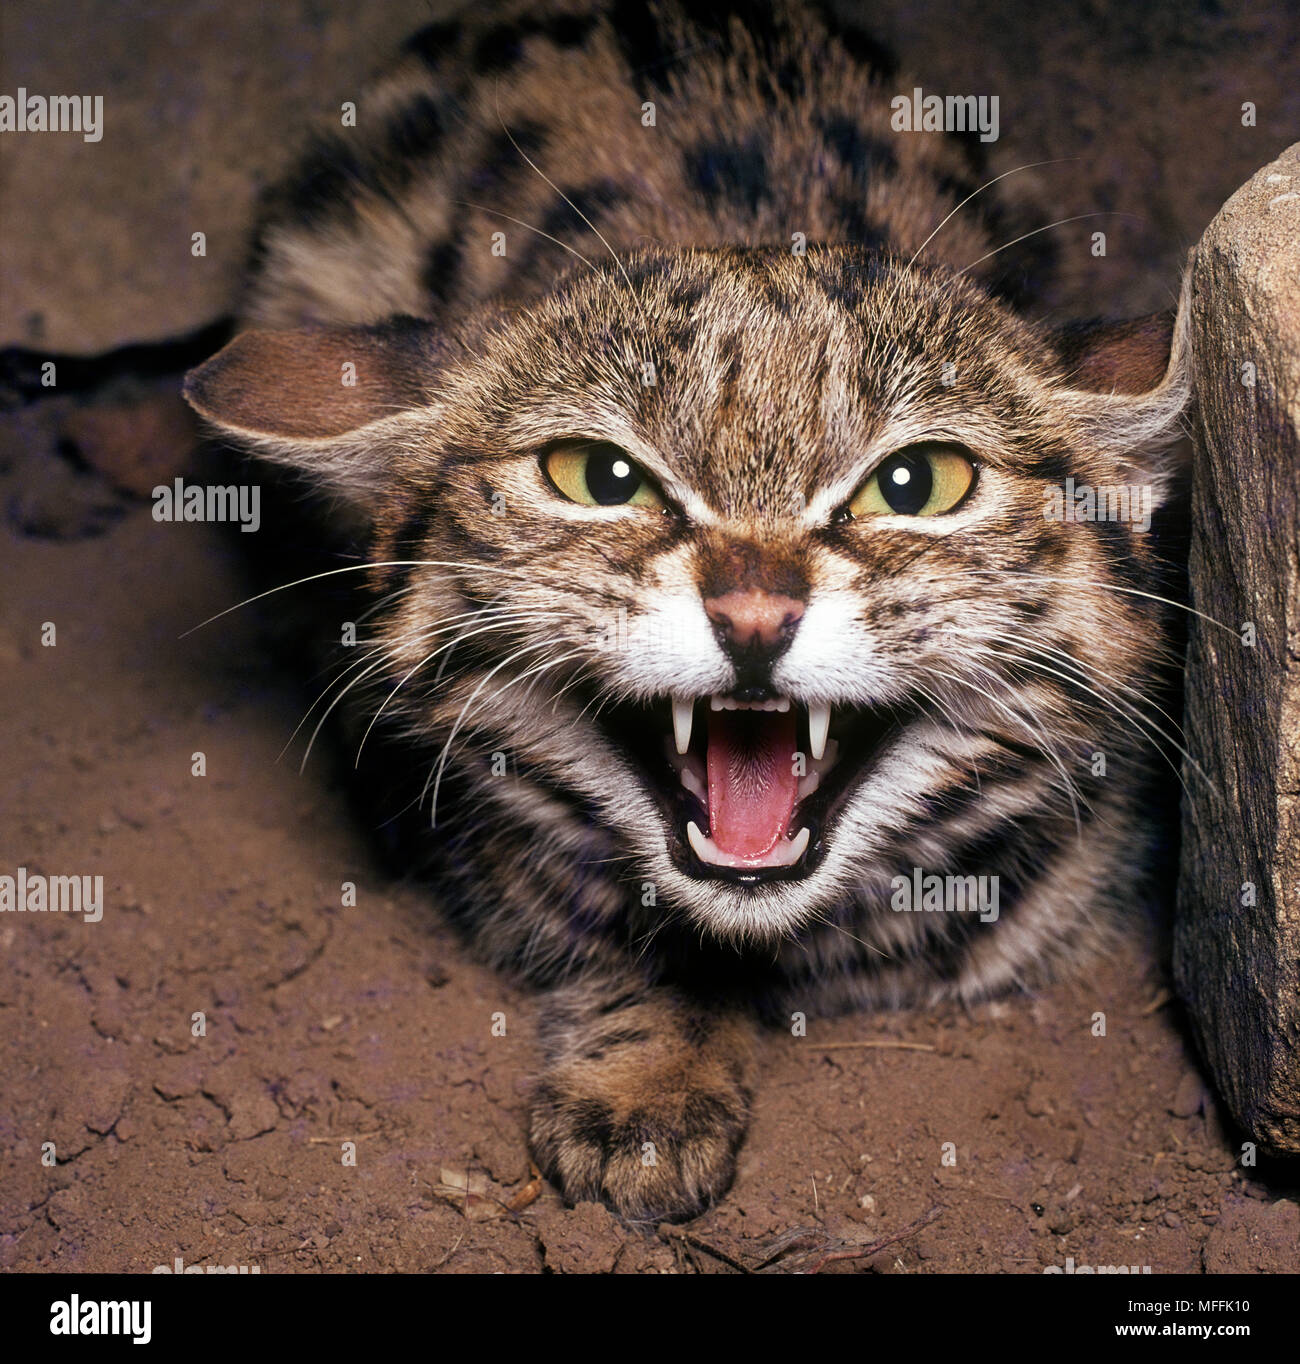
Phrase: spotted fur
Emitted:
{"points": [[1002, 652]]}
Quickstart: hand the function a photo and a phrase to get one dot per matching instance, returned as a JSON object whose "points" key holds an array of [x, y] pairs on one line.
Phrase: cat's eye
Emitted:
{"points": [[599, 474], [921, 480]]}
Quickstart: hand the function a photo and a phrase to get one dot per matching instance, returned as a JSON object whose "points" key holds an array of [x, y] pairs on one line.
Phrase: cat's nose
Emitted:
{"points": [[754, 620]]}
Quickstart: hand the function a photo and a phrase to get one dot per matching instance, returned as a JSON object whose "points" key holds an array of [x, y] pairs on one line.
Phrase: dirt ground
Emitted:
{"points": [[324, 1025]]}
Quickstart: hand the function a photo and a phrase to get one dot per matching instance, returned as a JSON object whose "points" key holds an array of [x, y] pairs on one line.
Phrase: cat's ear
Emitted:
{"points": [[1116, 357], [322, 399], [1127, 387]]}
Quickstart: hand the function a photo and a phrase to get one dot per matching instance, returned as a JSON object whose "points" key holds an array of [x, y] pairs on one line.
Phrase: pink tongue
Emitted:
{"points": [[752, 783]]}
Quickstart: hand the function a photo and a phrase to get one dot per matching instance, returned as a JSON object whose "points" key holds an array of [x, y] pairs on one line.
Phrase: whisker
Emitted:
{"points": [[1043, 747], [501, 622], [325, 715], [627, 279], [1107, 587], [519, 222], [446, 751], [361, 568], [1140, 723], [446, 748], [988, 184], [1060, 222]]}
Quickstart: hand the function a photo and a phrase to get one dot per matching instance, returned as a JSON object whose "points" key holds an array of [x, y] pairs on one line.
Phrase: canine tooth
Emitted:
{"points": [[683, 710], [797, 845], [698, 841], [819, 722]]}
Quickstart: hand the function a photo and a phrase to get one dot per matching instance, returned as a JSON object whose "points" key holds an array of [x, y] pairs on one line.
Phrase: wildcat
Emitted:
{"points": [[702, 450]]}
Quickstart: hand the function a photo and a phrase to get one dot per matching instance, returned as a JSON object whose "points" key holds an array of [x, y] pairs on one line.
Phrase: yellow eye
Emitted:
{"points": [[922, 480], [599, 474]]}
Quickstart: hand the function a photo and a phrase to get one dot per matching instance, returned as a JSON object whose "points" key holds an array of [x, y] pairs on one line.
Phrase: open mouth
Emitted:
{"points": [[750, 788]]}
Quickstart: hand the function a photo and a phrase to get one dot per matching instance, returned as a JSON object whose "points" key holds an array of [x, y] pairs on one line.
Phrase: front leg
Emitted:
{"points": [[644, 1097]]}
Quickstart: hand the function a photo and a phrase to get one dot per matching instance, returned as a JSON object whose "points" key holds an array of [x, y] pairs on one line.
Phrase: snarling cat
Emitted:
{"points": [[708, 470]]}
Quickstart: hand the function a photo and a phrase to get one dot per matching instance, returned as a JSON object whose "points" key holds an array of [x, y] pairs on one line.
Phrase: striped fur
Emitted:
{"points": [[1011, 649]]}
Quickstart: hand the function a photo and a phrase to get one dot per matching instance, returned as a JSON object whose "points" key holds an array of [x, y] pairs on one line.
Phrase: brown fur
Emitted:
{"points": [[527, 646]]}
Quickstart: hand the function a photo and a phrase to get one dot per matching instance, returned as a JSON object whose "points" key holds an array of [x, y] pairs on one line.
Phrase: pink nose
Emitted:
{"points": [[749, 618]]}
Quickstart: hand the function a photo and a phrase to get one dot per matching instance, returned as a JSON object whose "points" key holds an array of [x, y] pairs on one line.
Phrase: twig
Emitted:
{"points": [[816, 1243], [678, 1234], [455, 1246]]}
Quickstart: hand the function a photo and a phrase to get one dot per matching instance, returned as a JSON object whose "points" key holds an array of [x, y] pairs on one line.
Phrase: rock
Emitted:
{"points": [[1188, 1097], [103, 1096], [1038, 1102], [1237, 938]]}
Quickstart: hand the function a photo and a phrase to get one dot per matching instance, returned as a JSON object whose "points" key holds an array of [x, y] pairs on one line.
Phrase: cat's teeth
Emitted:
{"points": [[683, 710], [786, 853], [819, 723], [797, 845], [780, 703]]}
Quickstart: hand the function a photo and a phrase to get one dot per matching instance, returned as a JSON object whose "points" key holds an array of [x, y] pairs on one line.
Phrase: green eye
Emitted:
{"points": [[922, 480], [599, 474]]}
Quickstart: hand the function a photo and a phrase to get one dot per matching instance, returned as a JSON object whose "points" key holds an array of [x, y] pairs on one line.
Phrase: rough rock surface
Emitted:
{"points": [[1237, 944]]}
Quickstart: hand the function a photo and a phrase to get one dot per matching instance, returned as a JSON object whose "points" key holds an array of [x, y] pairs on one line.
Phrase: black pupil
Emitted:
{"points": [[906, 483], [611, 477]]}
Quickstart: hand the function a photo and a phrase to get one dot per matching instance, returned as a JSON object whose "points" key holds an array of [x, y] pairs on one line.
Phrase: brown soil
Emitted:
{"points": [[327, 1025]]}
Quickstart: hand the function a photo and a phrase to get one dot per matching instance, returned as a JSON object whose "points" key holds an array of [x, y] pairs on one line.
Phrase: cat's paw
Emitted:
{"points": [[649, 1128], [667, 1158]]}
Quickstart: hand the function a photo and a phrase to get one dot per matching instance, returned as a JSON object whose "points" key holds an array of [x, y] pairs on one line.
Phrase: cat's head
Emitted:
{"points": [[747, 554]]}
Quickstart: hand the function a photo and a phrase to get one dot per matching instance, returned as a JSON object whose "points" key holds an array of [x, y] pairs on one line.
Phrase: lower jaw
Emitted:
{"points": [[856, 742], [812, 825], [689, 862]]}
